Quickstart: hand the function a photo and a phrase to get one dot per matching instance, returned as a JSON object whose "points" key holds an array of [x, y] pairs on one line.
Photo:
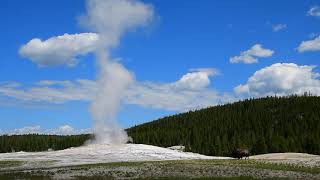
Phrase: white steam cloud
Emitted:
{"points": [[111, 19]]}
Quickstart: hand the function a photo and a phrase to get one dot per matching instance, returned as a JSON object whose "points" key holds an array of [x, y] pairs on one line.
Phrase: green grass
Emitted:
{"points": [[23, 175], [211, 178], [166, 178], [286, 167], [184, 164], [112, 164], [237, 163], [259, 164], [5, 164], [177, 178]]}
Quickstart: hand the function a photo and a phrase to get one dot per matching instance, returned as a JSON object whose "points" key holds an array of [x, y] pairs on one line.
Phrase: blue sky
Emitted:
{"points": [[199, 38]]}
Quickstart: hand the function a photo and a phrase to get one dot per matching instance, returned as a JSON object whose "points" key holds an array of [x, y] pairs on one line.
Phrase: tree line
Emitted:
{"points": [[263, 125], [37, 142]]}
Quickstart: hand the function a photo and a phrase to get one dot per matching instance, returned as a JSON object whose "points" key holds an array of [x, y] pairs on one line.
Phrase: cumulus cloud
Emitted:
{"points": [[242, 89], [251, 55], [59, 50], [310, 45], [278, 27], [196, 79], [314, 11], [282, 79], [66, 129], [62, 130], [189, 92]]}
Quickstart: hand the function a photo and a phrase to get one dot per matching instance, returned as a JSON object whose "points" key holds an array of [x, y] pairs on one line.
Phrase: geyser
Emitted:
{"points": [[111, 19]]}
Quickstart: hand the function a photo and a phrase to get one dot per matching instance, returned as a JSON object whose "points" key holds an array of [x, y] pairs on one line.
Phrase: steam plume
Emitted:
{"points": [[111, 19]]}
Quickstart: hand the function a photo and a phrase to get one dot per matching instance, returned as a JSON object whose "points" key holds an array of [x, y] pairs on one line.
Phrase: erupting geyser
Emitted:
{"points": [[113, 79], [111, 19]]}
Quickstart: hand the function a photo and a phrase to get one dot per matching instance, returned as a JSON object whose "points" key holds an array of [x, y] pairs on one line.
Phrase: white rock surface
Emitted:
{"points": [[102, 153], [297, 159]]}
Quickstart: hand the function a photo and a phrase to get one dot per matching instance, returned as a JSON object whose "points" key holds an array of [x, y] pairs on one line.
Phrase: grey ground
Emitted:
{"points": [[179, 169]]}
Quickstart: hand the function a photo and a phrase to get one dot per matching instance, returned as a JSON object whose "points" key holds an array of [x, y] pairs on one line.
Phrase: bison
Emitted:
{"points": [[240, 153]]}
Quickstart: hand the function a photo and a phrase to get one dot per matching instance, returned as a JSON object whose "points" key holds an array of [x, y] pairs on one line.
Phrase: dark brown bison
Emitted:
{"points": [[240, 153]]}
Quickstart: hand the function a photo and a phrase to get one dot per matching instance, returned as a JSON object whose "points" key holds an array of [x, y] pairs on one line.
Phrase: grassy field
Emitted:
{"points": [[186, 169], [6, 164]]}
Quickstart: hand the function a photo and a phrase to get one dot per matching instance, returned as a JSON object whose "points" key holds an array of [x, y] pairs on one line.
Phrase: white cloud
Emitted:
{"points": [[60, 50], [163, 96], [278, 27], [282, 79], [189, 92], [247, 59], [314, 11], [251, 56], [310, 45], [242, 89], [62, 130], [66, 129], [196, 79], [51, 91], [26, 130]]}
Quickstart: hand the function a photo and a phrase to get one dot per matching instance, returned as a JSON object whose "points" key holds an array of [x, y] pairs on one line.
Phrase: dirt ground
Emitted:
{"points": [[178, 169]]}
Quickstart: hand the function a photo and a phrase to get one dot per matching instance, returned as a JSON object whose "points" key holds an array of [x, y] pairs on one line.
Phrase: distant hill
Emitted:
{"points": [[264, 125]]}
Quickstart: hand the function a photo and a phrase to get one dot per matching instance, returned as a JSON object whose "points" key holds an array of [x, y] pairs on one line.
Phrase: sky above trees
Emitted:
{"points": [[183, 56]]}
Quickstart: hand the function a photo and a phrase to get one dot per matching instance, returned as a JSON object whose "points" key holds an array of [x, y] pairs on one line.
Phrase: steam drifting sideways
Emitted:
{"points": [[111, 19]]}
